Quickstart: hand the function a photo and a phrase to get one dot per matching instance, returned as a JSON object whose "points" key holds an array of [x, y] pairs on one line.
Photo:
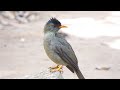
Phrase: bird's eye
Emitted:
{"points": [[52, 25]]}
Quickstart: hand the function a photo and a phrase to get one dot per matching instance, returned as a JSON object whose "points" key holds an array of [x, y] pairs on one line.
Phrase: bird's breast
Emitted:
{"points": [[48, 46]]}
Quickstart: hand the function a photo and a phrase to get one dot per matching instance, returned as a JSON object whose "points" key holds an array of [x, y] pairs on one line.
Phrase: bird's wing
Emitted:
{"points": [[66, 53]]}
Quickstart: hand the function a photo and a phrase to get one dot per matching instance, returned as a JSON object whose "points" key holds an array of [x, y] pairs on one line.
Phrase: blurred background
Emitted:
{"points": [[94, 36]]}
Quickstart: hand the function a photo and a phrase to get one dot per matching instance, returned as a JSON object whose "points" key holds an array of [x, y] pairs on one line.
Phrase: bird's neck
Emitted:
{"points": [[50, 34]]}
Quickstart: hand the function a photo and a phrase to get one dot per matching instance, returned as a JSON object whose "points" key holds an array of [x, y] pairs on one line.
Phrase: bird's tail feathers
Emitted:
{"points": [[79, 74]]}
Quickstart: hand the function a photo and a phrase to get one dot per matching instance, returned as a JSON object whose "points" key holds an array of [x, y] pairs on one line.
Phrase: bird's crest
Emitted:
{"points": [[54, 21]]}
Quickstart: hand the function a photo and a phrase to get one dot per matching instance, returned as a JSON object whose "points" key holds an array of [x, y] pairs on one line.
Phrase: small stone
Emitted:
{"points": [[31, 18], [102, 68], [21, 19], [8, 14]]}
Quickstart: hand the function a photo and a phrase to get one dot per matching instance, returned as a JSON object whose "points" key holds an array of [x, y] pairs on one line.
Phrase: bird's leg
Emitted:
{"points": [[60, 69], [57, 68]]}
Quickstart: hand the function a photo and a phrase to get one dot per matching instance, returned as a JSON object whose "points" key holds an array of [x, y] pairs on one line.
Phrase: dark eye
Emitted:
{"points": [[52, 25]]}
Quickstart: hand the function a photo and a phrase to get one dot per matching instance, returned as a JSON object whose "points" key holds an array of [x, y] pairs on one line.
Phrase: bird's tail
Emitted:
{"points": [[79, 74]]}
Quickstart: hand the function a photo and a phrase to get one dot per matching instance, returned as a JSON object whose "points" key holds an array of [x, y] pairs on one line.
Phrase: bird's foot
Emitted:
{"points": [[57, 68], [54, 67]]}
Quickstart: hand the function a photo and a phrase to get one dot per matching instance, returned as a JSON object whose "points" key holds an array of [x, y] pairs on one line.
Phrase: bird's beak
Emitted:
{"points": [[62, 26]]}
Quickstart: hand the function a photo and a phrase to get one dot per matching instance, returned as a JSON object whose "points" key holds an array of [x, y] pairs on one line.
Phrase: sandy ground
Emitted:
{"points": [[22, 52]]}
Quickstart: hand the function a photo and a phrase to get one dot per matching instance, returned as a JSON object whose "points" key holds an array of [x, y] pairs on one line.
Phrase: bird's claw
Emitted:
{"points": [[57, 68]]}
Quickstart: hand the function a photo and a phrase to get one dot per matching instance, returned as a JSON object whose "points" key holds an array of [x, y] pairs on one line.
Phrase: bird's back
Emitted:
{"points": [[66, 47]]}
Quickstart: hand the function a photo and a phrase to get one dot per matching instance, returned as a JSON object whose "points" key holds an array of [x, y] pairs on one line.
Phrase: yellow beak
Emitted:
{"points": [[62, 26]]}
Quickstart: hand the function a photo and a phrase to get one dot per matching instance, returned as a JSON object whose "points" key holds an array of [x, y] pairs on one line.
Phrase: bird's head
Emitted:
{"points": [[53, 25]]}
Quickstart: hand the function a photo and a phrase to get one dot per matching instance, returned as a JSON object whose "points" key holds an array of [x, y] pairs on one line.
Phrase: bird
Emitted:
{"points": [[58, 49]]}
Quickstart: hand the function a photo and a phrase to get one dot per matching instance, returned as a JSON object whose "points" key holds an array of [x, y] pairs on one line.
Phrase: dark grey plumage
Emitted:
{"points": [[58, 49]]}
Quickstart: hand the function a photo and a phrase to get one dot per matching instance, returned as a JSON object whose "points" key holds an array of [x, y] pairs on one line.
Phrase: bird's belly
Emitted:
{"points": [[54, 57]]}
